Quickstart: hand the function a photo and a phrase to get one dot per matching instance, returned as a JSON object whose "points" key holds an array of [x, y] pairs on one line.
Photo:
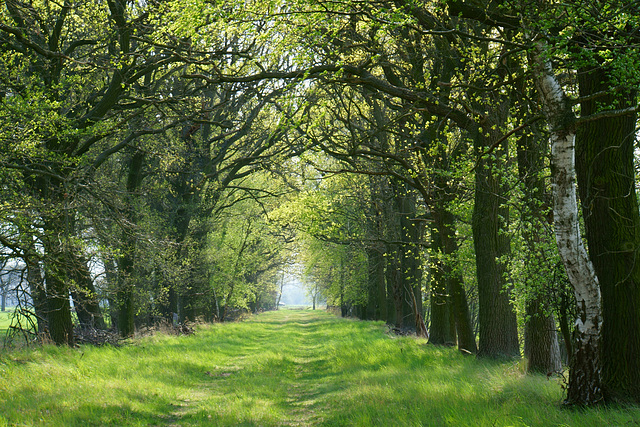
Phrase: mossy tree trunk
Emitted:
{"points": [[394, 285], [35, 280], [390, 279], [541, 346], [375, 286], [56, 243]]}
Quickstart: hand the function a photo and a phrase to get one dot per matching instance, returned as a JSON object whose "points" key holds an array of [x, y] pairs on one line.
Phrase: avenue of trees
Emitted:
{"points": [[462, 169]]}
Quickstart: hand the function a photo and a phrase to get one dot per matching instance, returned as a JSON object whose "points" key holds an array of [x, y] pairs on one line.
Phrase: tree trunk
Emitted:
{"points": [[280, 292], [390, 301], [585, 380], [585, 386], [459, 306], [57, 234], [85, 297], [404, 284], [606, 181], [38, 292], [58, 307], [376, 253], [112, 284], [540, 335], [125, 297], [394, 285], [126, 262], [439, 330], [381, 311], [372, 283], [410, 263], [497, 318], [344, 310], [377, 297], [541, 340]]}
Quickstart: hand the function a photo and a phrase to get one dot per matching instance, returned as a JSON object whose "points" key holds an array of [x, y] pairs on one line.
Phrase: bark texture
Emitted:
{"points": [[606, 178], [497, 318], [541, 346], [58, 307], [585, 373]]}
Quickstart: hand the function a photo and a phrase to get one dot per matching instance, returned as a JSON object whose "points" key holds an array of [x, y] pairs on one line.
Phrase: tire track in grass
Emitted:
{"points": [[301, 334], [304, 392], [291, 339]]}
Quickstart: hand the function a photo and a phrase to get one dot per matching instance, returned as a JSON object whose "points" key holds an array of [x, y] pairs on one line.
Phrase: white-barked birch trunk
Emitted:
{"points": [[584, 369]]}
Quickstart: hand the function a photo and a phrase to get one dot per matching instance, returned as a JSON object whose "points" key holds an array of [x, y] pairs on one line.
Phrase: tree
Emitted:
{"points": [[246, 250], [69, 133], [605, 168], [94, 92], [538, 256]]}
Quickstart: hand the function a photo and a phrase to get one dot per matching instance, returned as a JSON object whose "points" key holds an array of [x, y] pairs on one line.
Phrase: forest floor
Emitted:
{"points": [[284, 368]]}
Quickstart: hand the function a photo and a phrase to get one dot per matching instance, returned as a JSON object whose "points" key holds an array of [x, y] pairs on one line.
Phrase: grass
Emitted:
{"points": [[5, 321], [285, 368]]}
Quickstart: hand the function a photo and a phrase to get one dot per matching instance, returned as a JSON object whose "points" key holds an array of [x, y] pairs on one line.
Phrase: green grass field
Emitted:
{"points": [[285, 368], [16, 340], [5, 321]]}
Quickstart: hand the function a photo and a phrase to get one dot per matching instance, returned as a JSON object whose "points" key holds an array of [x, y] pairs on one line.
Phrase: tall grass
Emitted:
{"points": [[291, 367]]}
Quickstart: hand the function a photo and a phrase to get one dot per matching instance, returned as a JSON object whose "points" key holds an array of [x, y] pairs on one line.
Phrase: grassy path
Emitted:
{"points": [[287, 368]]}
